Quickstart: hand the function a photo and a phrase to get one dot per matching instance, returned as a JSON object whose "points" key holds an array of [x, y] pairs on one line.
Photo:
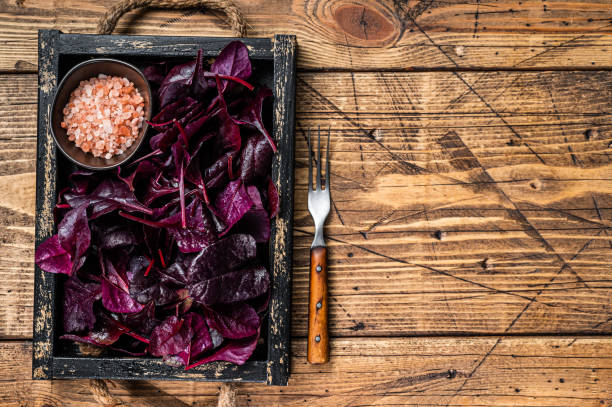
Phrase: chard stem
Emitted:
{"points": [[182, 196]]}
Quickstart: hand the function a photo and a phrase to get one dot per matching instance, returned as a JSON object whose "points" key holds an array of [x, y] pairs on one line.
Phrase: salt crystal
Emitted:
{"points": [[103, 115]]}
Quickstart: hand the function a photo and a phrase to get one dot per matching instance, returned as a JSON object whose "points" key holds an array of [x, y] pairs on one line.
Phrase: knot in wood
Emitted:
{"points": [[363, 22]]}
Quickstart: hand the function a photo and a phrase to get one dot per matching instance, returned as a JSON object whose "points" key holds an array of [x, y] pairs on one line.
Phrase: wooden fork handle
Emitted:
{"points": [[318, 339]]}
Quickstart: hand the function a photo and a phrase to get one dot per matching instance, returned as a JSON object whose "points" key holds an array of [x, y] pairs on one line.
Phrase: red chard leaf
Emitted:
{"points": [[236, 286], [222, 256], [232, 61], [233, 322], [116, 291], [52, 257], [232, 203], [235, 351], [255, 159], [79, 298], [170, 337], [252, 114]]}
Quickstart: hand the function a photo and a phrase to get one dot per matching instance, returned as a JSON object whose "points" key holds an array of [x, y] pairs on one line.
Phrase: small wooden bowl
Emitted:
{"points": [[82, 72]]}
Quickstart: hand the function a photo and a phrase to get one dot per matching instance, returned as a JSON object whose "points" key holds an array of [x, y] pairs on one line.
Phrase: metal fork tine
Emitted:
{"points": [[327, 161], [309, 163], [319, 162]]}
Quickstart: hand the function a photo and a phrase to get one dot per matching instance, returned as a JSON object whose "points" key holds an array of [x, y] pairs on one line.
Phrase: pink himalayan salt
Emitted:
{"points": [[104, 115]]}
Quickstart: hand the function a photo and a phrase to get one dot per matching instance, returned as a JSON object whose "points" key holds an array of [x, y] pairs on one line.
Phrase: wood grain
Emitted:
{"points": [[17, 183], [534, 371], [358, 35], [493, 186], [443, 219]]}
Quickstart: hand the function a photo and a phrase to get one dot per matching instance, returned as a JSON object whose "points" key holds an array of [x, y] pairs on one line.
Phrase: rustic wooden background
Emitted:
{"points": [[470, 237]]}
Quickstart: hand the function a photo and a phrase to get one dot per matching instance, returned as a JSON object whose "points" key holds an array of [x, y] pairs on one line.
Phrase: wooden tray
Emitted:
{"points": [[274, 63]]}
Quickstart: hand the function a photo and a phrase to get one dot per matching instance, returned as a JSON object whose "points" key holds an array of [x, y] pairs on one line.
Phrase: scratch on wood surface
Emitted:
{"points": [[554, 105], [476, 15], [561, 45], [515, 320], [477, 94], [484, 179], [446, 273]]}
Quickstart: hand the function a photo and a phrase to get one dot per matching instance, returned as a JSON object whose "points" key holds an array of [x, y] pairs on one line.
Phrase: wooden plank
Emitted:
{"points": [[524, 371], [466, 229], [389, 35], [17, 164]]}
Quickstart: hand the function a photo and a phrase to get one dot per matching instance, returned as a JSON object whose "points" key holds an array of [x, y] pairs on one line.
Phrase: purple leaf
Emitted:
{"points": [[141, 322], [111, 194], [233, 322], [216, 176], [79, 298], [143, 170], [177, 83], [252, 114], [155, 73], [105, 333], [229, 133], [232, 61], [157, 189], [116, 236], [255, 159], [256, 221], [170, 337], [80, 181], [227, 254], [199, 231], [232, 203], [236, 286], [116, 291], [180, 110], [236, 351], [151, 287], [52, 257], [74, 235], [200, 341]]}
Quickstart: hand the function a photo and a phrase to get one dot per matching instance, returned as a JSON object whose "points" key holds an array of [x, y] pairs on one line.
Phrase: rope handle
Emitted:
{"points": [[233, 16], [100, 392]]}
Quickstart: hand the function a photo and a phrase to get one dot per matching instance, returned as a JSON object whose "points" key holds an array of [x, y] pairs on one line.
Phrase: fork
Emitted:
{"points": [[318, 206]]}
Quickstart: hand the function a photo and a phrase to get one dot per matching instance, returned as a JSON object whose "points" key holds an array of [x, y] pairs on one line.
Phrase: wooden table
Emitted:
{"points": [[470, 238]]}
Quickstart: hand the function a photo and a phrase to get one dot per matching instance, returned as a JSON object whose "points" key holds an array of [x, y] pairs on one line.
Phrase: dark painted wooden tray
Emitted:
{"points": [[274, 63]]}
